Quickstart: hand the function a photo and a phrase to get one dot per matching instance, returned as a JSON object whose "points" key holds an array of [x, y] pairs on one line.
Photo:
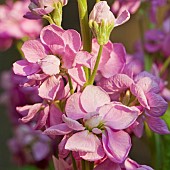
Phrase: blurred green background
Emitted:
{"points": [[127, 34]]}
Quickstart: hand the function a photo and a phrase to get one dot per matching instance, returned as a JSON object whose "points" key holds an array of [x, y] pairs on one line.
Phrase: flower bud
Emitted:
{"points": [[102, 21]]}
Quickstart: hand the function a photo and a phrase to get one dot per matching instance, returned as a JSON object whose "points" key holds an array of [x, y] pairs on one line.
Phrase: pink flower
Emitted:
{"points": [[99, 117], [12, 16], [50, 58]]}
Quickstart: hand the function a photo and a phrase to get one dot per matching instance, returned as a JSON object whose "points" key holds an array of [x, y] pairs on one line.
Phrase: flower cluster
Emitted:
{"points": [[89, 101], [11, 16]]}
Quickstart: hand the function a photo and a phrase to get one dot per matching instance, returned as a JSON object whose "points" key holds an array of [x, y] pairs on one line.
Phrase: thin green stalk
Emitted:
{"points": [[86, 165], [165, 65], [83, 164], [49, 19], [74, 162], [92, 77], [85, 30], [70, 84], [158, 158]]}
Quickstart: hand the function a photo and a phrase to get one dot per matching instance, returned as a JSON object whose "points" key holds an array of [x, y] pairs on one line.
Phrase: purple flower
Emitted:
{"points": [[30, 147]]}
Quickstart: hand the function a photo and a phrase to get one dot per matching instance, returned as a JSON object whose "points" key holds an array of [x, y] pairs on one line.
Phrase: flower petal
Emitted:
{"points": [[33, 50], [83, 141], [120, 117], [122, 18], [24, 68], [50, 65], [49, 88], [60, 129], [94, 156], [32, 112], [93, 97], [158, 105], [157, 125], [73, 107], [116, 145], [72, 124]]}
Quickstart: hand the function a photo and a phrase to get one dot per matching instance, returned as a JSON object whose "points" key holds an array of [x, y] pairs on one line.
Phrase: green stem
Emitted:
{"points": [[85, 30], [97, 1], [49, 19], [91, 80], [83, 164], [74, 162], [70, 84], [165, 65], [158, 159], [86, 165]]}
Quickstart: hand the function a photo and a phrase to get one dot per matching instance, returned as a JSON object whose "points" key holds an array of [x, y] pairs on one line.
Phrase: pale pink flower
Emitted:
{"points": [[11, 16], [50, 58], [99, 116]]}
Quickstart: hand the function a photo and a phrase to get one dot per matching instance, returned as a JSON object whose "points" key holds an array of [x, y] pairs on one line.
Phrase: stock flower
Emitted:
{"points": [[102, 129], [48, 59], [102, 21], [145, 88], [12, 16]]}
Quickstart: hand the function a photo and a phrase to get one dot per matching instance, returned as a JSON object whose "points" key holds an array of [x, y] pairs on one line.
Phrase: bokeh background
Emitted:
{"points": [[126, 34]]}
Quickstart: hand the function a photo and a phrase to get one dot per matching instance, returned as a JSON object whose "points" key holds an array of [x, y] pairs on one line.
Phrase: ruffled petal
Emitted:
{"points": [[122, 18], [83, 141], [116, 145], [120, 117], [158, 105], [60, 129], [24, 68], [49, 88], [73, 107], [32, 112], [72, 124], [33, 50], [158, 125], [93, 97]]}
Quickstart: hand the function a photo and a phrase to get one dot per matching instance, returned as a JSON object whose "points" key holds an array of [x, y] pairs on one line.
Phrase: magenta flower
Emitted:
{"points": [[50, 58], [99, 118]]}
